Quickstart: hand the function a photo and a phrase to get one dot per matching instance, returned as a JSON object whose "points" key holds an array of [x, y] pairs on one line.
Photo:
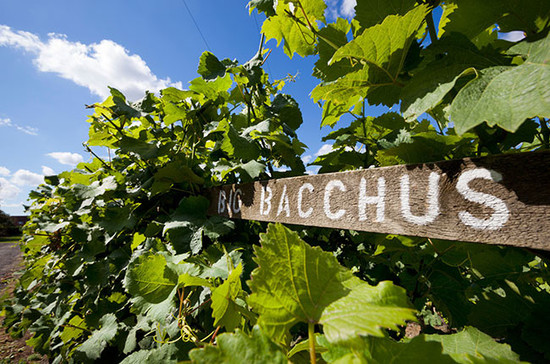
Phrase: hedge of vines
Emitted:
{"points": [[124, 265]]}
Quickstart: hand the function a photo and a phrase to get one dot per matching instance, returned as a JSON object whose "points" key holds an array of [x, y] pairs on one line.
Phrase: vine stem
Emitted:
{"points": [[431, 27], [311, 335]]}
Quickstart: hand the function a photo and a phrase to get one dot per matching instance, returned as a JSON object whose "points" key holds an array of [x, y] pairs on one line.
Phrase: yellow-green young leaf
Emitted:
{"points": [[224, 309], [137, 240], [292, 26], [506, 96], [150, 278], [293, 283], [237, 348], [381, 50], [75, 328], [366, 310]]}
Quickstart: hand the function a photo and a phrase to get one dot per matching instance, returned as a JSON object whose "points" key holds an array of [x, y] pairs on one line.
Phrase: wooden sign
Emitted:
{"points": [[501, 199]]}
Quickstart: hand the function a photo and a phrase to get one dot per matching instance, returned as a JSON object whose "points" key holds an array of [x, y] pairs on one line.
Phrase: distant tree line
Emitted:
{"points": [[7, 227]]}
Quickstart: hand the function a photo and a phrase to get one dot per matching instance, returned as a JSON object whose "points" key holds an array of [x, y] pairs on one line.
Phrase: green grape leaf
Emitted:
{"points": [[451, 58], [172, 173], [370, 13], [287, 110], [149, 277], [384, 350], [166, 353], [381, 50], [421, 147], [385, 46], [224, 309], [96, 343], [210, 66], [237, 348], [472, 17], [211, 89], [506, 96], [472, 345], [253, 168], [264, 6], [366, 310], [138, 146], [74, 329], [336, 34], [293, 283], [291, 25], [238, 146]]}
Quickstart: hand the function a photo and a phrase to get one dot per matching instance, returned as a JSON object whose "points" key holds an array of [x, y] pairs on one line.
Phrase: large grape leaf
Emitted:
{"points": [[292, 26], [506, 96], [224, 308], [381, 50], [293, 283], [448, 60], [366, 310], [149, 277], [472, 345], [370, 13], [471, 17], [384, 350], [333, 36], [237, 348]]}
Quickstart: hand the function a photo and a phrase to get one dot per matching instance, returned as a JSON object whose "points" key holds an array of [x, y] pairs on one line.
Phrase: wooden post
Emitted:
{"points": [[502, 199]]}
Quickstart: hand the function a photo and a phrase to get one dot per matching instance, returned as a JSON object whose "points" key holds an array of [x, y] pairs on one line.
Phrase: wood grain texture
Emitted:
{"points": [[501, 199]]}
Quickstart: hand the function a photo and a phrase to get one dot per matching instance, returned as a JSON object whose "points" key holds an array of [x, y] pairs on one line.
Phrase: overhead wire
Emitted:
{"points": [[197, 26]]}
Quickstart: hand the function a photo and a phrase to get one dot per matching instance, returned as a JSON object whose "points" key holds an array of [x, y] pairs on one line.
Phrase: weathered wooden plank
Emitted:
{"points": [[501, 199]]}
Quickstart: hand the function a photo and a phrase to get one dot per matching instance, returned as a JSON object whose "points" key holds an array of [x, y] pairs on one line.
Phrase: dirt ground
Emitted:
{"points": [[13, 350]]}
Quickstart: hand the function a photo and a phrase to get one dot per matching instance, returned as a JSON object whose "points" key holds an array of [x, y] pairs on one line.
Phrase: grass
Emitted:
{"points": [[9, 239]]}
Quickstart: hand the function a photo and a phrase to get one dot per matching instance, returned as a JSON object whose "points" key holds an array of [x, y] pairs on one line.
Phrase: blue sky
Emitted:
{"points": [[56, 56]]}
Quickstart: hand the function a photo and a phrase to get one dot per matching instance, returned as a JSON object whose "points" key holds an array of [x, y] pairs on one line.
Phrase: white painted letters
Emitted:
{"points": [[328, 191], [432, 199], [222, 200], [264, 210], [501, 213], [379, 200], [237, 196], [283, 204], [301, 213]]}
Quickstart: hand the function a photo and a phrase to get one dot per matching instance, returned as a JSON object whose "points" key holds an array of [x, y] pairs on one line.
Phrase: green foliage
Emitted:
{"points": [[238, 347], [124, 265]]}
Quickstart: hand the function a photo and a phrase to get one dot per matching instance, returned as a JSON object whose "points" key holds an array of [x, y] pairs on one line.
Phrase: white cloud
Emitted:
{"points": [[47, 171], [25, 129], [348, 8], [8, 191], [67, 158], [307, 158], [513, 36], [340, 8], [24, 177], [94, 66], [325, 148], [4, 171]]}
